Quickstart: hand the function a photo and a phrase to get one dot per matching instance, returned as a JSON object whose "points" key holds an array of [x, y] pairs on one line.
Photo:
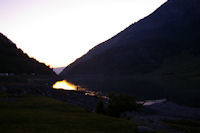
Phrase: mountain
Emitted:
{"points": [[14, 60], [58, 70], [159, 52], [171, 29]]}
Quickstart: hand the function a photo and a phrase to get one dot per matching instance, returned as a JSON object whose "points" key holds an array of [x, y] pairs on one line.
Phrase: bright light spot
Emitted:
{"points": [[64, 85]]}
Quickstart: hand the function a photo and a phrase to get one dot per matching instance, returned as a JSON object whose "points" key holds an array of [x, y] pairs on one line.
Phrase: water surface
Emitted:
{"points": [[65, 85]]}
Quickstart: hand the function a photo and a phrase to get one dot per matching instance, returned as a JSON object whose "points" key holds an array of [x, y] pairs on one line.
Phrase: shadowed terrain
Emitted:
{"points": [[36, 114], [154, 58]]}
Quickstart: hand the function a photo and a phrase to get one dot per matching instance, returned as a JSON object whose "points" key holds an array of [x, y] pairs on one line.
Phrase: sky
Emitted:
{"points": [[57, 32]]}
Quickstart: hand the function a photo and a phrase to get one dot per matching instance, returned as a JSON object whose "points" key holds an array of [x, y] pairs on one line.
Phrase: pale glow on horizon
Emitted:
{"points": [[57, 32]]}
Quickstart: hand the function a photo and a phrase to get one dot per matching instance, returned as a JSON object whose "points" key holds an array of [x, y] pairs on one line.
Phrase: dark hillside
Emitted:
{"points": [[143, 46], [154, 58], [14, 60]]}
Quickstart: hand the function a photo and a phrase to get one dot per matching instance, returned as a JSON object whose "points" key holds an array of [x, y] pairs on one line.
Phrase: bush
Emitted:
{"points": [[117, 105]]}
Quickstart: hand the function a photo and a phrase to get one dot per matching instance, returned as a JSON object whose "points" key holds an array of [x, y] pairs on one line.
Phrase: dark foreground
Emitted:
{"points": [[34, 107], [36, 114]]}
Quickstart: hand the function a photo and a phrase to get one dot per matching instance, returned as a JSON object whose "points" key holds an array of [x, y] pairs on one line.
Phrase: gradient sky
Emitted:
{"points": [[57, 32]]}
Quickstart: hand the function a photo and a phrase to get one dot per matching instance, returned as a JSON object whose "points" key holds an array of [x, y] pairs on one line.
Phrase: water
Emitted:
{"points": [[65, 85], [151, 102], [180, 91]]}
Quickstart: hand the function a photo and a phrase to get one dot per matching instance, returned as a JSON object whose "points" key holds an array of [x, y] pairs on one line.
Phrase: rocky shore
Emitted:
{"points": [[78, 98], [153, 117]]}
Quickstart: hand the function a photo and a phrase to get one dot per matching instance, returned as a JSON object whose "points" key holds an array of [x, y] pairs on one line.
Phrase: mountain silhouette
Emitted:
{"points": [[14, 60], [143, 46], [164, 47]]}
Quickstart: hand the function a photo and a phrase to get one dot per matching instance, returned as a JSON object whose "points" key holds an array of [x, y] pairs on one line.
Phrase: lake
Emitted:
{"points": [[180, 91], [65, 85]]}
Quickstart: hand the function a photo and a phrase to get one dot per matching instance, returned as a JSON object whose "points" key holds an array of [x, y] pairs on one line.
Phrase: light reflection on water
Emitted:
{"points": [[151, 102], [69, 86], [65, 85]]}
